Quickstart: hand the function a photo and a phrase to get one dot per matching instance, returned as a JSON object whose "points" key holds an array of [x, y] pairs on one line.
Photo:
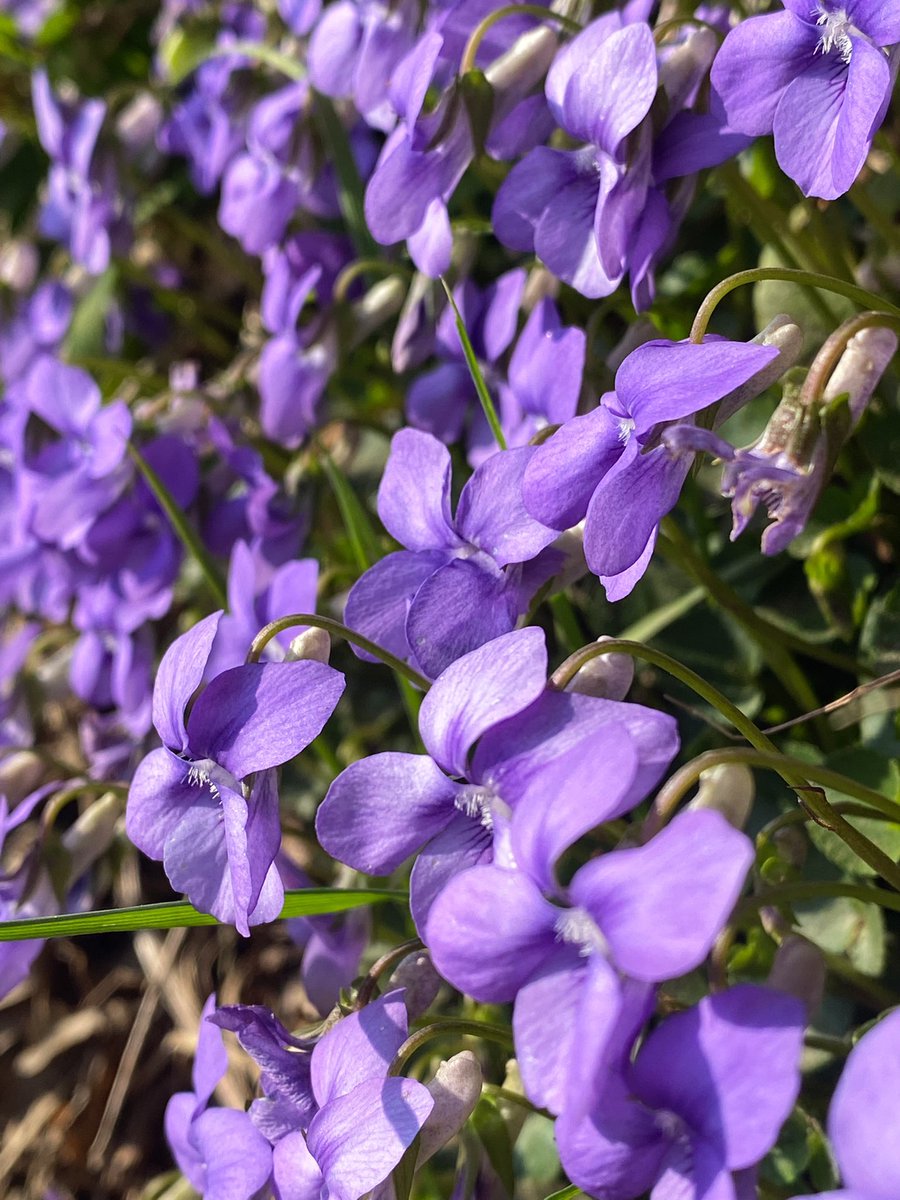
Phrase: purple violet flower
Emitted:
{"points": [[186, 806], [819, 77], [609, 467], [219, 1150], [462, 579], [649, 913], [706, 1095], [863, 1114], [490, 724]]}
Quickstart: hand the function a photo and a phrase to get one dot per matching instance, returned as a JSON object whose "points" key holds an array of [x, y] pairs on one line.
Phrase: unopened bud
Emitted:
{"points": [[20, 773], [608, 676], [526, 62], [91, 835], [314, 644], [787, 337], [791, 845], [456, 1088], [729, 789], [19, 265], [799, 970], [416, 973], [860, 368]]}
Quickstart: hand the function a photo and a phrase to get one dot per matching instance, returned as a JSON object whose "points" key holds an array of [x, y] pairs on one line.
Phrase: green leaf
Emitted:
{"points": [[566, 1193], [186, 534], [879, 639], [535, 1155], [180, 914], [87, 333], [475, 371], [844, 925], [494, 1135], [876, 772]]}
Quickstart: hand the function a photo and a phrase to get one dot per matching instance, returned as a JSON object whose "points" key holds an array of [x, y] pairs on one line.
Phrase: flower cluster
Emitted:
{"points": [[318, 321]]}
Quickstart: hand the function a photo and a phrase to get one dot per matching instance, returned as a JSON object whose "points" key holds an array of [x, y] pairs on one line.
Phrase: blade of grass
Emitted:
{"points": [[363, 539], [179, 914], [475, 371]]}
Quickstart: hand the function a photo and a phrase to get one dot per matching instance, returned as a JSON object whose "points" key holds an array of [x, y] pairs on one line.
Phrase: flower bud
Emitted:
{"points": [[860, 368], [422, 982], [312, 643], [456, 1088], [608, 676], [799, 970], [782, 333], [729, 789], [791, 845], [90, 837], [19, 265], [20, 773]]}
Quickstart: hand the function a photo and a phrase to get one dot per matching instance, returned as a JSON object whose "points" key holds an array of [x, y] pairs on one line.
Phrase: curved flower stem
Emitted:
{"points": [[61, 799], [566, 672], [809, 279], [501, 1093], [467, 62], [479, 1029], [366, 991], [835, 345], [794, 893], [269, 631], [799, 816], [665, 27], [291, 68], [365, 266], [793, 771], [674, 790]]}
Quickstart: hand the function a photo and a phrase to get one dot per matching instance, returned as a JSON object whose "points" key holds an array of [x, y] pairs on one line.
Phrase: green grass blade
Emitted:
{"points": [[179, 914], [475, 371], [363, 539], [187, 536]]}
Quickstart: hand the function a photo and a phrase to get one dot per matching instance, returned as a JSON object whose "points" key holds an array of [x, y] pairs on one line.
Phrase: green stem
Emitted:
{"points": [[269, 631], [187, 536], [484, 395], [810, 279], [366, 990], [467, 62], [797, 893], [794, 772], [268, 55], [457, 1025], [566, 672], [501, 1093]]}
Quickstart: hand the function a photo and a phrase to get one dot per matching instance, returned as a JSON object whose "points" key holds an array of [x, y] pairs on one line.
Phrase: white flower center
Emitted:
{"points": [[207, 773], [836, 28], [578, 927], [478, 803], [626, 426]]}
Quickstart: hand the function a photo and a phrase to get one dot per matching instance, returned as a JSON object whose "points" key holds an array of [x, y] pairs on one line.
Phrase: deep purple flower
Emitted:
{"points": [[649, 913], [609, 468], [219, 1150], [818, 76], [462, 579], [337, 1120], [21, 895], [186, 806], [706, 1095], [36, 327], [490, 724], [863, 1115]]}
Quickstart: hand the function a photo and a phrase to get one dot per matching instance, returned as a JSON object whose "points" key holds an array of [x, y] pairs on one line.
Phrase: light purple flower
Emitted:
{"points": [[219, 1150], [706, 1095], [649, 913], [863, 1115], [490, 725], [462, 579], [818, 76], [609, 467], [186, 806]]}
